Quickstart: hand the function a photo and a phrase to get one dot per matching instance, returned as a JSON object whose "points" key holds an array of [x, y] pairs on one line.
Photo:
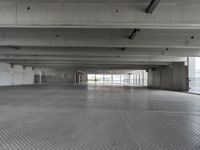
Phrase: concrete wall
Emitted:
{"points": [[62, 76], [173, 77], [16, 75], [82, 78]]}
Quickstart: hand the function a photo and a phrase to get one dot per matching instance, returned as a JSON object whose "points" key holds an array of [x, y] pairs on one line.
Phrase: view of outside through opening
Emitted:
{"points": [[194, 74], [138, 78]]}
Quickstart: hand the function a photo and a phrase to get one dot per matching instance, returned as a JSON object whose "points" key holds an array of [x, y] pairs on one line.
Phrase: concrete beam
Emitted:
{"points": [[71, 62], [100, 38], [99, 14], [85, 64], [81, 67], [112, 58], [95, 51]]}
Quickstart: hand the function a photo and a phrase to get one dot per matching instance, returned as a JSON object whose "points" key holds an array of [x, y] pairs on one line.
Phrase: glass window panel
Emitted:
{"points": [[116, 78], [107, 78], [91, 77], [99, 78], [194, 74]]}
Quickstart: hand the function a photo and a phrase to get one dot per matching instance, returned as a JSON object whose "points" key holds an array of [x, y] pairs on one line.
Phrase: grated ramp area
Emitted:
{"points": [[73, 117]]}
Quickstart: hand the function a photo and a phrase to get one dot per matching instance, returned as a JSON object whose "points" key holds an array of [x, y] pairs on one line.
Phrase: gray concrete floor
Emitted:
{"points": [[58, 117]]}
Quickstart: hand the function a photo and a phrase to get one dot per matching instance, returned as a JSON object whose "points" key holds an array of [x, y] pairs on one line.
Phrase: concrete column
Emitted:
{"points": [[112, 78], [173, 77]]}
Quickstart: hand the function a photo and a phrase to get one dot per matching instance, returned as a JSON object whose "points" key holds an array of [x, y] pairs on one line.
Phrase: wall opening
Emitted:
{"points": [[134, 78]]}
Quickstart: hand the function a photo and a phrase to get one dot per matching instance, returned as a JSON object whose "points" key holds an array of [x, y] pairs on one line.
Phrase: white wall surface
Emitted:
{"points": [[58, 76], [16, 75]]}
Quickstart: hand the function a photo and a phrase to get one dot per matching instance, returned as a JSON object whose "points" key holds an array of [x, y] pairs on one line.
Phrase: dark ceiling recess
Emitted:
{"points": [[14, 47], [123, 48], [153, 4], [134, 33], [192, 37]]}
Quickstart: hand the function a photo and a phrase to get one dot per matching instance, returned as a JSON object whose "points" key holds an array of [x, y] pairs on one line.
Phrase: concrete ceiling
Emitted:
{"points": [[99, 33]]}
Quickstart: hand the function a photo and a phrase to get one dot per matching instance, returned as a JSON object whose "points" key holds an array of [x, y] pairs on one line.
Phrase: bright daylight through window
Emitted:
{"points": [[194, 74], [136, 78]]}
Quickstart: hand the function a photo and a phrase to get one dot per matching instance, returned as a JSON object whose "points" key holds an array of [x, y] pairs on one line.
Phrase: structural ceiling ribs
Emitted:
{"points": [[101, 33]]}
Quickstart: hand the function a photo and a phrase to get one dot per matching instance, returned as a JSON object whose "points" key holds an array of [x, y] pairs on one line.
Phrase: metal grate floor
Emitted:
{"points": [[69, 117]]}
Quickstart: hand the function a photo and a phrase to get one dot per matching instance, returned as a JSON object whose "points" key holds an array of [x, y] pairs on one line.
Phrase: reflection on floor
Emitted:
{"points": [[57, 117]]}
